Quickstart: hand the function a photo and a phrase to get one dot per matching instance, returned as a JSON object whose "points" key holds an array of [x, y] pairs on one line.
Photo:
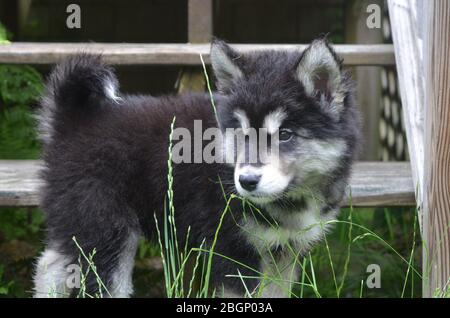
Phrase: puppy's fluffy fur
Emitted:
{"points": [[106, 155]]}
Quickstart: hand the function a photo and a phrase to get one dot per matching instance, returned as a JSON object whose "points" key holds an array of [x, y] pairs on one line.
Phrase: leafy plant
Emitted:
{"points": [[3, 35], [19, 84], [4, 286]]}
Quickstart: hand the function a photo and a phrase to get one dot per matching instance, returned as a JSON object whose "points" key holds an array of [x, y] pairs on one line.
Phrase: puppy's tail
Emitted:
{"points": [[75, 88]]}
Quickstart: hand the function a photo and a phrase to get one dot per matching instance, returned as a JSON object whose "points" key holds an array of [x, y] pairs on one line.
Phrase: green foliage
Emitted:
{"points": [[17, 134], [147, 250], [20, 224], [20, 87], [19, 84], [3, 35], [5, 286], [20, 242]]}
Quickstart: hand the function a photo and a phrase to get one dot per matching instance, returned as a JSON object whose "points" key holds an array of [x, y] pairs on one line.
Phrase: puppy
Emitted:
{"points": [[106, 157]]}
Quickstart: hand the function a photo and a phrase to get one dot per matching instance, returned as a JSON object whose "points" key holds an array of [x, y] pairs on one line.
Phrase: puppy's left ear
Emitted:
{"points": [[224, 61], [319, 70]]}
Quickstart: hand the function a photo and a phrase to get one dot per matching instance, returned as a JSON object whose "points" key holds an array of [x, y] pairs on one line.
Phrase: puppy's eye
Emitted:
{"points": [[285, 135]]}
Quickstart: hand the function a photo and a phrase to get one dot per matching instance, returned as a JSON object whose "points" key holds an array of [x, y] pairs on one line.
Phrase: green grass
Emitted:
{"points": [[337, 267], [353, 245]]}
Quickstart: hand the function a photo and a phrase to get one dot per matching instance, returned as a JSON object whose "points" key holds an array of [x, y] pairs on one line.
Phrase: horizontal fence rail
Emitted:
{"points": [[172, 54], [372, 184]]}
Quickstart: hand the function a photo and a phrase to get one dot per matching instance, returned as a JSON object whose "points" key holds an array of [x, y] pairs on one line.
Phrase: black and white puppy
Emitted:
{"points": [[106, 167]]}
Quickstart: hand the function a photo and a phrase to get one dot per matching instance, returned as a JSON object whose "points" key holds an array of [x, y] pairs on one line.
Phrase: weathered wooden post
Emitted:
{"points": [[199, 21], [407, 35], [367, 77], [421, 32], [436, 192], [199, 31]]}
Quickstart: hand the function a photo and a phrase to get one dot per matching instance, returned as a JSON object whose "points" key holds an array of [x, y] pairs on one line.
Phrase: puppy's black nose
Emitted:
{"points": [[249, 181]]}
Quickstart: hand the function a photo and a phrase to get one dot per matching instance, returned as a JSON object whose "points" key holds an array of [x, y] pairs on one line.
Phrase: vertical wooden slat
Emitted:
{"points": [[436, 194], [406, 34], [368, 93], [23, 12], [199, 31], [199, 21]]}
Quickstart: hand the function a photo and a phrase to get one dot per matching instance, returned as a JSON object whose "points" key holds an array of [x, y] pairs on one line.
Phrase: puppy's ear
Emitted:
{"points": [[319, 70], [224, 64]]}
